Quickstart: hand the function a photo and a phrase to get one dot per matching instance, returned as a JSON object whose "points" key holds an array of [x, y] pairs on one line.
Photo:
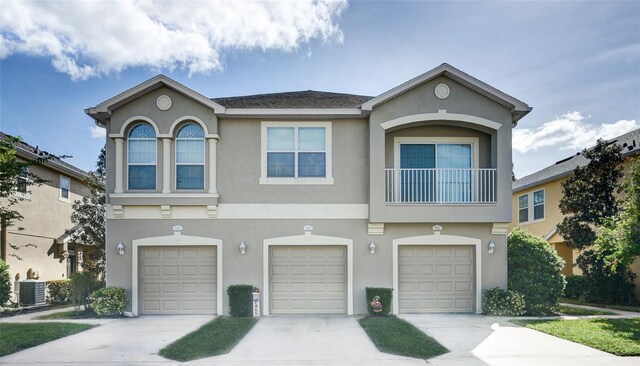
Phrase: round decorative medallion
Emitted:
{"points": [[442, 91], [163, 102]]}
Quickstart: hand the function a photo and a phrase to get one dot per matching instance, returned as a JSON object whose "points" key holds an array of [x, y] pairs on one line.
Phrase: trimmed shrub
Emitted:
{"points": [[108, 301], [500, 302], [534, 271], [385, 297], [576, 286], [240, 300], [5, 283], [59, 291]]}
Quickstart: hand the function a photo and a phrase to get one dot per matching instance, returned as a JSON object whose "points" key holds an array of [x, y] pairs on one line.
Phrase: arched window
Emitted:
{"points": [[190, 157], [141, 157]]}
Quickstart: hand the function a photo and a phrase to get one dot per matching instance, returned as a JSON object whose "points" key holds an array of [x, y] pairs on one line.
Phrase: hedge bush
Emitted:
{"points": [[59, 291], [240, 300], [81, 285], [576, 286], [534, 271], [497, 301], [5, 283], [108, 301], [386, 297]]}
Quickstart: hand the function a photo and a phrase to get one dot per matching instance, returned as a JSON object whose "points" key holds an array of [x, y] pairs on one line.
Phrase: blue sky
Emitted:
{"points": [[576, 63]]}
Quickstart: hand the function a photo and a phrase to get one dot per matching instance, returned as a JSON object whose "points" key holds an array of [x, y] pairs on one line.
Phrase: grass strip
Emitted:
{"points": [[569, 300], [618, 336], [396, 336], [59, 315], [572, 310], [15, 337], [217, 337]]}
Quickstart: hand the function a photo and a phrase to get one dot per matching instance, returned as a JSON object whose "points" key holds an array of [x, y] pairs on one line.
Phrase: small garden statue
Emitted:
{"points": [[376, 304]]}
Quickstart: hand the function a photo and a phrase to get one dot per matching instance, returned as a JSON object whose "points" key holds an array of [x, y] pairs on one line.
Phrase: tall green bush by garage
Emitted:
{"points": [[386, 298], [240, 300], [534, 271]]}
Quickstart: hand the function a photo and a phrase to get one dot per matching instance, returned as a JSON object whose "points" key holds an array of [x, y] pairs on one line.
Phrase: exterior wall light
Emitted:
{"points": [[492, 247], [243, 248], [372, 248], [120, 248]]}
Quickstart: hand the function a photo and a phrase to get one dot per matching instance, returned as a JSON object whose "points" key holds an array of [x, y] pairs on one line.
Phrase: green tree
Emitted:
{"points": [[588, 196], [90, 215], [619, 238], [15, 179]]}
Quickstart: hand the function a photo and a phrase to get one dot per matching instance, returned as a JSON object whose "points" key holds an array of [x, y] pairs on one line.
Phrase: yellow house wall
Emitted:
{"points": [[552, 217]]}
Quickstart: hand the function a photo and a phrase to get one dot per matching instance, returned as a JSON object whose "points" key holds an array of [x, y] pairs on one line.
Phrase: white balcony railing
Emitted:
{"points": [[424, 186]]}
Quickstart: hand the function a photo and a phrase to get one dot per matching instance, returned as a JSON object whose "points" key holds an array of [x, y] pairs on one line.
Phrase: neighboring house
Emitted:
{"points": [[536, 200], [44, 247], [309, 196]]}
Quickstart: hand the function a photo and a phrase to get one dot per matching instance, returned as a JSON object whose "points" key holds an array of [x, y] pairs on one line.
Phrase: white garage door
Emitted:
{"points": [[435, 279], [308, 279], [178, 280]]}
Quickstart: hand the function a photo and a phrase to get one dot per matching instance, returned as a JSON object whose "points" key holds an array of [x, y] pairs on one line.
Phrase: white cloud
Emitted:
{"points": [[568, 132], [98, 132], [92, 38]]}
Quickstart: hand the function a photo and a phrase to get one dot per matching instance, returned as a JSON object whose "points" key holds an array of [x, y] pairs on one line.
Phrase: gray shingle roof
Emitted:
{"points": [[27, 151], [307, 99], [629, 141]]}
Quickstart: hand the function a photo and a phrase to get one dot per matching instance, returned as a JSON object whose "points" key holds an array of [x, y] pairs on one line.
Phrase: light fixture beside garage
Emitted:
{"points": [[492, 247], [120, 248], [243, 248], [372, 248]]}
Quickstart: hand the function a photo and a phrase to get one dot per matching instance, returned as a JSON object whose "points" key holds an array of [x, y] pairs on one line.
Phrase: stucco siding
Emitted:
{"points": [[368, 270]]}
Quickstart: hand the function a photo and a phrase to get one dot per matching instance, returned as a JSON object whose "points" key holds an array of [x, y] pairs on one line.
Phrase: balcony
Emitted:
{"points": [[440, 186]]}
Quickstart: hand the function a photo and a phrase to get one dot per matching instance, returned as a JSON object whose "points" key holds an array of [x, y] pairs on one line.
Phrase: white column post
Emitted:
{"points": [[166, 165], [213, 145], [119, 163]]}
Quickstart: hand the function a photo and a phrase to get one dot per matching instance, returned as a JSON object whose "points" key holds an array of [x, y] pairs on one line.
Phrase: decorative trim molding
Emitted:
{"points": [[375, 229], [300, 240], [164, 195], [166, 211], [131, 120], [442, 115], [175, 240], [244, 211], [188, 118], [500, 228], [439, 240]]}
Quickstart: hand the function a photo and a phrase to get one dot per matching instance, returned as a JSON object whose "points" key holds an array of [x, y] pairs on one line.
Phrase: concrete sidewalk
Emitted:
{"points": [[476, 340], [29, 317]]}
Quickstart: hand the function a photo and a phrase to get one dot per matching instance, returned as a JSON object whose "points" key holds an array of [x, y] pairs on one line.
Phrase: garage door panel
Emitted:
{"points": [[435, 279], [178, 280], [307, 279]]}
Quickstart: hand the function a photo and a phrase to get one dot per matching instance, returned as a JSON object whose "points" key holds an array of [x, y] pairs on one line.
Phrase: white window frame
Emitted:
{"points": [[530, 208], [204, 157], [26, 194], [473, 141], [327, 179], [155, 163], [60, 196]]}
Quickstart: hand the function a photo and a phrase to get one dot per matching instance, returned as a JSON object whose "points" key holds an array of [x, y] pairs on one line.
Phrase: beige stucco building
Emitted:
{"points": [[536, 198], [309, 196], [43, 246]]}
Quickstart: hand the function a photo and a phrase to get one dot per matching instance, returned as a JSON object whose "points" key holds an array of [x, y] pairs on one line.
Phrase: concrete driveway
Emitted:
{"points": [[485, 340]]}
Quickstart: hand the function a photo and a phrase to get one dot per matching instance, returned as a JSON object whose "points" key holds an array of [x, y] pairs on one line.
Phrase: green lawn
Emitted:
{"points": [[618, 336], [217, 337], [15, 337], [571, 310], [569, 300], [398, 337]]}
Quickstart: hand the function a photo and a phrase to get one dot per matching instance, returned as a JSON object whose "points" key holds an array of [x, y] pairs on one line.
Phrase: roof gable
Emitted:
{"points": [[518, 108], [103, 110]]}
